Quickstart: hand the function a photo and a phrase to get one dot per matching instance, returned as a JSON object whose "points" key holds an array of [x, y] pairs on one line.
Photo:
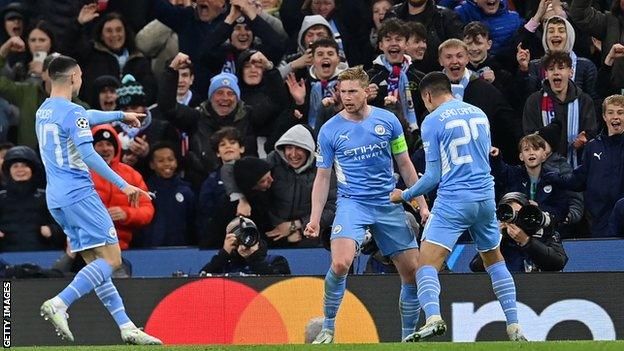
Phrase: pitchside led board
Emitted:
{"points": [[260, 310]]}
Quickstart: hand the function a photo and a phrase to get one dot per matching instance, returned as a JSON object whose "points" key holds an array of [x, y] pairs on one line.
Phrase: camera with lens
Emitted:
{"points": [[529, 218], [246, 232]]}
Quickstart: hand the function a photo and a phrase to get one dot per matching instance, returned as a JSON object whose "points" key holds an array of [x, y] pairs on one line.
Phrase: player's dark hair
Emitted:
{"points": [[324, 43], [555, 58], [435, 83], [229, 133], [60, 66], [392, 26]]}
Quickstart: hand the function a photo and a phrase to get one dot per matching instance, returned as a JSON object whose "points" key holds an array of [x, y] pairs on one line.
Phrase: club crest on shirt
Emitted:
{"points": [[179, 197], [82, 123], [112, 232], [337, 229], [380, 130]]}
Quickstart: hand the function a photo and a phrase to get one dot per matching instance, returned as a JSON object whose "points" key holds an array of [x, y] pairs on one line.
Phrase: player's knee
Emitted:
{"points": [[114, 262], [341, 267]]}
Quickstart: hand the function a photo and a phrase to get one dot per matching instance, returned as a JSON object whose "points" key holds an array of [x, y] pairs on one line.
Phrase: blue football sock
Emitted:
{"points": [[334, 291], [505, 290], [428, 290], [409, 306], [87, 279], [107, 292]]}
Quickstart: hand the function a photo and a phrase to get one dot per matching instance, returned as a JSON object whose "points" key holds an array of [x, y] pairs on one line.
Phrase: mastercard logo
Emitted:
{"points": [[221, 311]]}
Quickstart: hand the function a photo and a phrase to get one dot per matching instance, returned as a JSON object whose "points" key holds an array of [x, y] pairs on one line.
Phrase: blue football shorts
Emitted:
{"points": [[387, 223], [86, 223], [448, 220]]}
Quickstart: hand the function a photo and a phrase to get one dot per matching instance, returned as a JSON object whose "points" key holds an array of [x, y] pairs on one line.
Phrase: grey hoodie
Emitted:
{"points": [[308, 21], [298, 136]]}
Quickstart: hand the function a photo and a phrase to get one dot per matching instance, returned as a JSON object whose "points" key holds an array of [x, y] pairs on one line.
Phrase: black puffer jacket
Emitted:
{"points": [[23, 209]]}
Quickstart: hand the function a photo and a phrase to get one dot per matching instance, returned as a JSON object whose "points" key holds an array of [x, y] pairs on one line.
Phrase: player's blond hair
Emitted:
{"points": [[452, 43], [355, 73], [616, 99]]}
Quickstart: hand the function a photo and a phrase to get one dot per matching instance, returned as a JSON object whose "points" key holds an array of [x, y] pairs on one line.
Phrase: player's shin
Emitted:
{"points": [[505, 290], [409, 307], [334, 291], [429, 291], [108, 294]]}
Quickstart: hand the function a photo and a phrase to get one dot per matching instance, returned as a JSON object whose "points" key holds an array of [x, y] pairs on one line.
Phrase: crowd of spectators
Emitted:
{"points": [[235, 91]]}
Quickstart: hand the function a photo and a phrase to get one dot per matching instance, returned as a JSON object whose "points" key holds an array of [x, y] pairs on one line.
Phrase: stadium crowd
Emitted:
{"points": [[235, 92]]}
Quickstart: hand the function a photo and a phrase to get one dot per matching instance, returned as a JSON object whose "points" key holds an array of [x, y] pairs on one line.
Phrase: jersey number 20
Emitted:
{"points": [[470, 131]]}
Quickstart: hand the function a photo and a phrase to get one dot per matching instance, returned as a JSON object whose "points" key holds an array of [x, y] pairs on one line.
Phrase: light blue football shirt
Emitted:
{"points": [[361, 153], [61, 126], [458, 135]]}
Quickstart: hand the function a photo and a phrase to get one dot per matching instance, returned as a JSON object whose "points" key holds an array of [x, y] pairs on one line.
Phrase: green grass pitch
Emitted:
{"points": [[442, 346]]}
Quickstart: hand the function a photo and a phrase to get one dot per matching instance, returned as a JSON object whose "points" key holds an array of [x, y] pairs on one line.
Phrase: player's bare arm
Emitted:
{"points": [[320, 191]]}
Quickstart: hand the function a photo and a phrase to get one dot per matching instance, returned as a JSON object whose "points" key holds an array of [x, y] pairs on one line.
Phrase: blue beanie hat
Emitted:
{"points": [[224, 80]]}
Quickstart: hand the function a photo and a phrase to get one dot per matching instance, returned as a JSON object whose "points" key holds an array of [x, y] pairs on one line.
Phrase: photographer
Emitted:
{"points": [[529, 241], [244, 252]]}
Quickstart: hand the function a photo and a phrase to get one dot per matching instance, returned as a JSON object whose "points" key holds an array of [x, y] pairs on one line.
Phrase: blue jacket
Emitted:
{"points": [[550, 197], [503, 25], [174, 214], [601, 176]]}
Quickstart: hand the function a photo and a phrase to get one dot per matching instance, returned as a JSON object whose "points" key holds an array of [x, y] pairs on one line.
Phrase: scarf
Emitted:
{"points": [[122, 59], [229, 66], [459, 89], [338, 40], [319, 90], [548, 114], [397, 80], [128, 133]]}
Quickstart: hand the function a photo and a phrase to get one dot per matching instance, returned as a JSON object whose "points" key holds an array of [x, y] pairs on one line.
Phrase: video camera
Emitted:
{"points": [[246, 232], [529, 218]]}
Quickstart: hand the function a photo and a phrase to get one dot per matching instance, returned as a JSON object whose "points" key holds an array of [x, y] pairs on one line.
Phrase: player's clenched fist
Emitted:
{"points": [[396, 196], [311, 230]]}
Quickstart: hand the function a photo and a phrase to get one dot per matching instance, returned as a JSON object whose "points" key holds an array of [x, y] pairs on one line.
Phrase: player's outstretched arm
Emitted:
{"points": [[320, 191], [94, 161], [426, 183], [97, 117]]}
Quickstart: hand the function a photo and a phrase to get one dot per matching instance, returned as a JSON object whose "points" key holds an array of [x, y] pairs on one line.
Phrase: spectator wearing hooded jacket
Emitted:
{"points": [[560, 98], [502, 22], [293, 170], [242, 29], [313, 28], [602, 171], [126, 218], [559, 36], [223, 107], [25, 223], [174, 202], [309, 93], [441, 23]]}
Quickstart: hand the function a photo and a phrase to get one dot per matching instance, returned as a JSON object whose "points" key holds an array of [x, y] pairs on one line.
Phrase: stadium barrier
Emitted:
{"points": [[264, 310], [162, 262]]}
